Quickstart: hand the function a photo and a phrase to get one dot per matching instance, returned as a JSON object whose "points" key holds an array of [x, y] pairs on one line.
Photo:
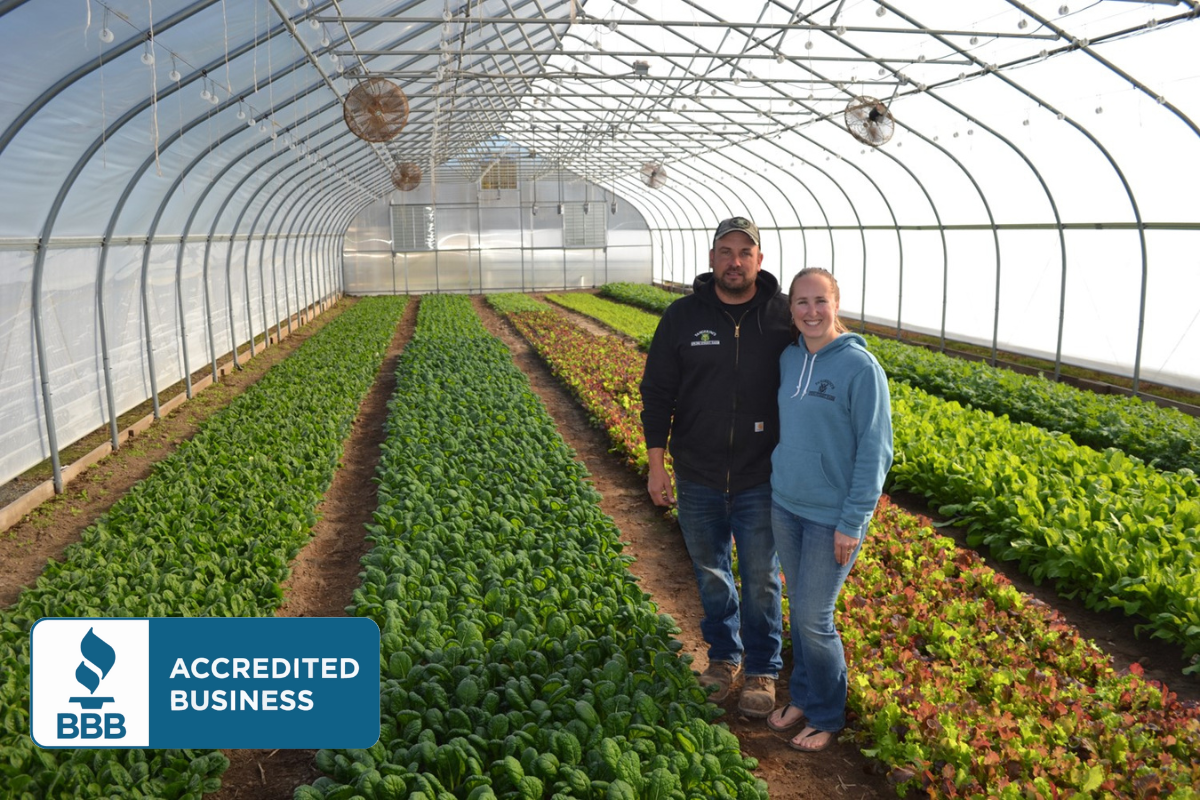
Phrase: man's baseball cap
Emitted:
{"points": [[737, 224]]}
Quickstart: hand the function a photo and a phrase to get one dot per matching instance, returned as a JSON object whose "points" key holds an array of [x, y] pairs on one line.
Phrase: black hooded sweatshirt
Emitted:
{"points": [[710, 384]]}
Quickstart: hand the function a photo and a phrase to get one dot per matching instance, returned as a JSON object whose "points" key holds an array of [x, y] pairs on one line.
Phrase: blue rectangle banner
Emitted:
{"points": [[264, 682]]}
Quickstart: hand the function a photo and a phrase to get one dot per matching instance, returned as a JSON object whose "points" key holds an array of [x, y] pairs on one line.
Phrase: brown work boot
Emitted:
{"points": [[758, 696], [720, 674]]}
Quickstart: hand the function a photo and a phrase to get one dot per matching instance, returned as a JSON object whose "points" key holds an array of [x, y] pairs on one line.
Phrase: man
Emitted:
{"points": [[710, 384]]}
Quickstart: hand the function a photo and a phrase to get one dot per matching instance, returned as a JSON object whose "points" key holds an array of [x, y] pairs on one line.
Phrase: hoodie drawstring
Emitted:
{"points": [[808, 365]]}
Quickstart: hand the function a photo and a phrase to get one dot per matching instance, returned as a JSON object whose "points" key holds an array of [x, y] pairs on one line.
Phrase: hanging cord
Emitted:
{"points": [[255, 60], [270, 89], [175, 76], [178, 91], [208, 128], [153, 87], [225, 23], [103, 115]]}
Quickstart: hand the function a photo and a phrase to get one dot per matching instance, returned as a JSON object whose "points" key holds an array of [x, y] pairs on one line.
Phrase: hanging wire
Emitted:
{"points": [[305, 148], [225, 23], [254, 61], [175, 76], [153, 87], [103, 115], [270, 89], [153, 106], [295, 109], [208, 127]]}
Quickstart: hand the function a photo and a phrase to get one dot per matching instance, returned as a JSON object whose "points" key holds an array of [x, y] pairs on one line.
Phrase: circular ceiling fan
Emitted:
{"points": [[869, 121], [654, 175], [375, 110], [406, 176]]}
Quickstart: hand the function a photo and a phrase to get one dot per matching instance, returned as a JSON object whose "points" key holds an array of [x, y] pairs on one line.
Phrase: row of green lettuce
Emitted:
{"points": [[209, 533], [1102, 525], [960, 684], [651, 298], [519, 657], [1162, 437], [633, 322]]}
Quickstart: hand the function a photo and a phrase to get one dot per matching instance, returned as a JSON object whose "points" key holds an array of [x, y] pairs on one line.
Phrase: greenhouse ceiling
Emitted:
{"points": [[1015, 174], [105, 100]]}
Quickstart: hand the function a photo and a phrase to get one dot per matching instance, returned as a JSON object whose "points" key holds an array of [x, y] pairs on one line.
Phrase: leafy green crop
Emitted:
{"points": [[963, 686], [640, 325], [1103, 526], [209, 533], [519, 657], [969, 689], [603, 374], [513, 302], [1163, 437], [651, 298]]}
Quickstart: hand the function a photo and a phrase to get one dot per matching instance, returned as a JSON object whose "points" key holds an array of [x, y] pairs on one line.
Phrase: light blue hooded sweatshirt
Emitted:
{"points": [[835, 434]]}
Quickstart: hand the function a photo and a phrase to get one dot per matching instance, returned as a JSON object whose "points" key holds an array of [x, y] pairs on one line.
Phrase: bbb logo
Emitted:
{"points": [[88, 725], [89, 682]]}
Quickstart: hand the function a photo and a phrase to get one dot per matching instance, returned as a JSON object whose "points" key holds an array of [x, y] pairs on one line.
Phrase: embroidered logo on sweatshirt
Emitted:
{"points": [[705, 337], [824, 387]]}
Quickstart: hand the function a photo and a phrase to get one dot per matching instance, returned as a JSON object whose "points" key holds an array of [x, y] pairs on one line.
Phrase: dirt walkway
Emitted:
{"points": [[665, 571], [326, 573]]}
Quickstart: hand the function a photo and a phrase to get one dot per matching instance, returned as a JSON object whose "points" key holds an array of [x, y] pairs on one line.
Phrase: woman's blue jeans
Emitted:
{"points": [[711, 520], [814, 579]]}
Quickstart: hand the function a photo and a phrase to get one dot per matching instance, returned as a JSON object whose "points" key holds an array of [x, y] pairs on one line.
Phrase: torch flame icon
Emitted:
{"points": [[101, 654]]}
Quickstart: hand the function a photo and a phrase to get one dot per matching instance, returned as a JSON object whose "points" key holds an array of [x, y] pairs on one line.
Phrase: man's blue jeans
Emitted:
{"points": [[711, 520], [814, 580]]}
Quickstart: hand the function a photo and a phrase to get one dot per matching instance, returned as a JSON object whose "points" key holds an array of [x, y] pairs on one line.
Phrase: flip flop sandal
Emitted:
{"points": [[795, 744], [787, 726]]}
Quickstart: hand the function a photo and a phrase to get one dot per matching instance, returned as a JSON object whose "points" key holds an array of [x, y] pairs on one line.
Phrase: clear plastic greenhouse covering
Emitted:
{"points": [[178, 178]]}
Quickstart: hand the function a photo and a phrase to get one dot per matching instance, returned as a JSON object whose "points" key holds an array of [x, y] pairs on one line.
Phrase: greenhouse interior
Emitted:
{"points": [[190, 184]]}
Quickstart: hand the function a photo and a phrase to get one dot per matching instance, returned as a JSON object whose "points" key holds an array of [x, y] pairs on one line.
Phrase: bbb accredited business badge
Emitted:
{"points": [[188, 682]]}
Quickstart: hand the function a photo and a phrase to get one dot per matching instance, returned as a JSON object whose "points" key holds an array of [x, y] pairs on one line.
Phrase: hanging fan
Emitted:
{"points": [[375, 110], [406, 176], [654, 175], [869, 121]]}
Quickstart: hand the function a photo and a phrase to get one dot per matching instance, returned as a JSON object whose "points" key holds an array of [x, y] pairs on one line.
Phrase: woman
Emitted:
{"points": [[835, 447]]}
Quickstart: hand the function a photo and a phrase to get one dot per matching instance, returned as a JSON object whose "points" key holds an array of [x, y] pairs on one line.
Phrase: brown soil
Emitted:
{"points": [[665, 571], [326, 572]]}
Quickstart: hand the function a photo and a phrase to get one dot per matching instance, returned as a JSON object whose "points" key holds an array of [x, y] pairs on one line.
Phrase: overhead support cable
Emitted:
{"points": [[962, 167], [1003, 77], [316, 64]]}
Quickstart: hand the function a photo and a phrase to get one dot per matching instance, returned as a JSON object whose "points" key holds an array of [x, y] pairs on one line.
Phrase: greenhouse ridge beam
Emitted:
{"points": [[632, 75], [691, 23]]}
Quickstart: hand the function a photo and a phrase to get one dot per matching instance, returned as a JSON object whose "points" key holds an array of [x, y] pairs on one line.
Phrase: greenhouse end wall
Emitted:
{"points": [[498, 242]]}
